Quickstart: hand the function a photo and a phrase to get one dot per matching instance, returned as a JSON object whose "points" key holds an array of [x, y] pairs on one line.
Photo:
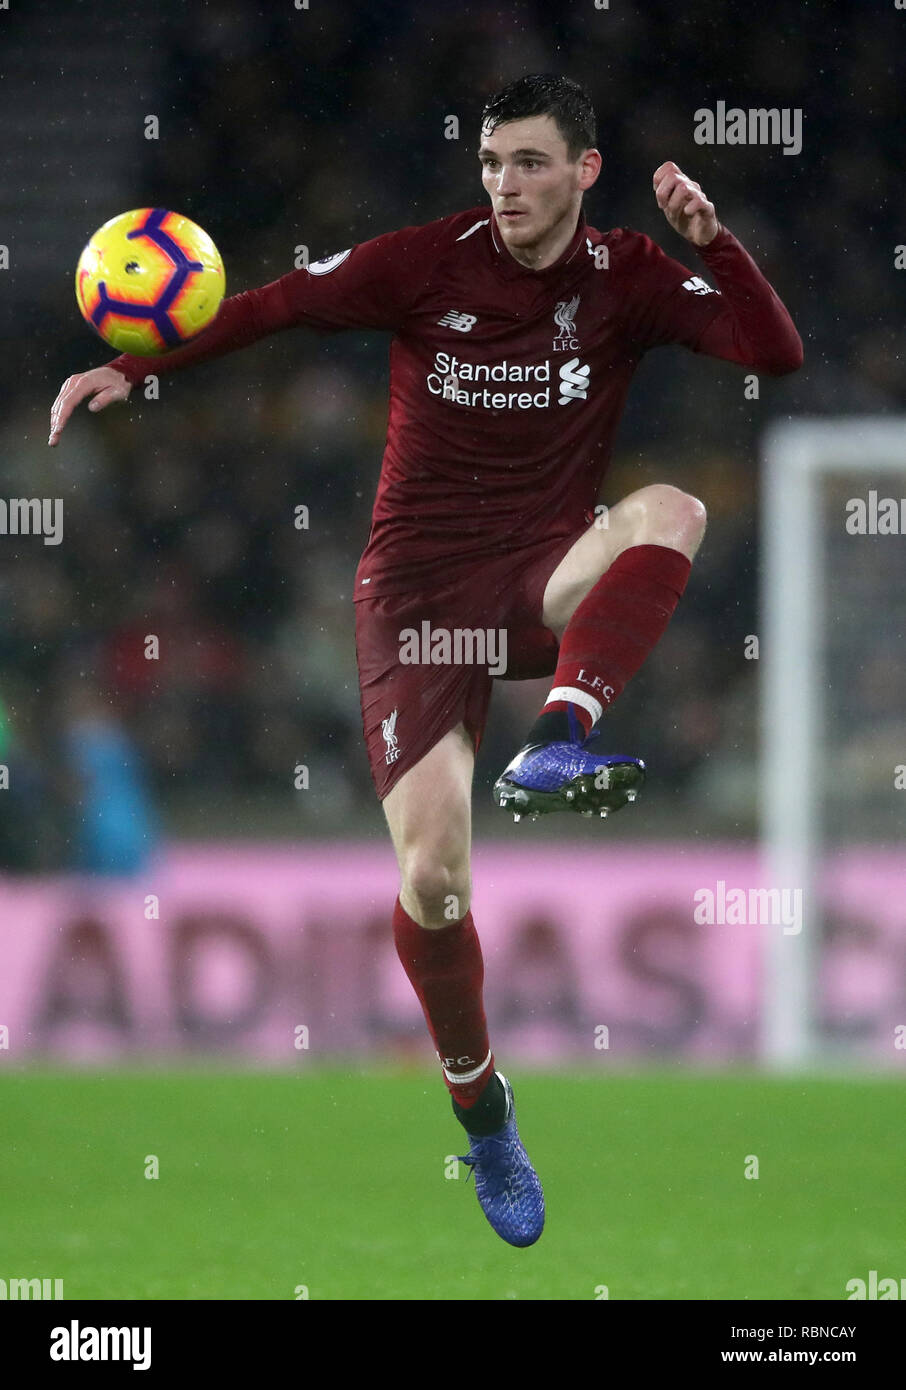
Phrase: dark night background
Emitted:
{"points": [[323, 127]]}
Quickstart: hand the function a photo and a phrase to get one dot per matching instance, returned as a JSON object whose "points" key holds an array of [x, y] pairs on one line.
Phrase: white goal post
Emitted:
{"points": [[796, 455]]}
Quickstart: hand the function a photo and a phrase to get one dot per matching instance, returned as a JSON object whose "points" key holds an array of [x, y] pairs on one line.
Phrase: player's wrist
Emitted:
{"points": [[716, 242], [126, 369]]}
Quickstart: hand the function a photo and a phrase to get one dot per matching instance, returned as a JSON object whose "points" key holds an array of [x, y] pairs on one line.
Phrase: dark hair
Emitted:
{"points": [[544, 94]]}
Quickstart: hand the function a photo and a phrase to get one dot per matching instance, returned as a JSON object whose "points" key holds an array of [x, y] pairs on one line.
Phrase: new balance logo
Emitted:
{"points": [[573, 382], [696, 285], [454, 319]]}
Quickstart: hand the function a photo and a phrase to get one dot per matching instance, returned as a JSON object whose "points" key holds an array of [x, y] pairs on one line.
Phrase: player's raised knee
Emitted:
{"points": [[665, 515], [691, 519]]}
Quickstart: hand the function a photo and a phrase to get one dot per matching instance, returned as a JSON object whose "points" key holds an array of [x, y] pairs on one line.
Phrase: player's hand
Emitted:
{"points": [[106, 384], [684, 205]]}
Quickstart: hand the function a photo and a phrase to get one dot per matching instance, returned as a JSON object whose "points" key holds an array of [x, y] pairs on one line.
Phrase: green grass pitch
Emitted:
{"points": [[336, 1181]]}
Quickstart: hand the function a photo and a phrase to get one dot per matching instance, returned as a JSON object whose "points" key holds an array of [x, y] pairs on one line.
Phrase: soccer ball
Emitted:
{"points": [[149, 280]]}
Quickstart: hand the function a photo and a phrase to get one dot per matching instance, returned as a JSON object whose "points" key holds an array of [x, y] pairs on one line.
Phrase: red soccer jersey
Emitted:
{"points": [[506, 384]]}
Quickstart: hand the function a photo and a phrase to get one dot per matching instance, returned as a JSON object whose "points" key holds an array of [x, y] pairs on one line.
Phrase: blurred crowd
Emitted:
{"points": [[322, 127]]}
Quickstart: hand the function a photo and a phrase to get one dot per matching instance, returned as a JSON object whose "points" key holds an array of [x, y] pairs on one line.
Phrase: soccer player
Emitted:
{"points": [[516, 330]]}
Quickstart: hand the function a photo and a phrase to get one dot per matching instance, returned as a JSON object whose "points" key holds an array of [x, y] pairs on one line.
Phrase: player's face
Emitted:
{"points": [[534, 187]]}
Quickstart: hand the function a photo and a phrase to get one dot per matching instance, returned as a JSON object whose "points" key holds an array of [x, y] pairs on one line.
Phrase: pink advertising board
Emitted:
{"points": [[284, 955]]}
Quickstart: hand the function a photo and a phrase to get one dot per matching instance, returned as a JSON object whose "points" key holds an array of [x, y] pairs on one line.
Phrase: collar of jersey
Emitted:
{"points": [[511, 268]]}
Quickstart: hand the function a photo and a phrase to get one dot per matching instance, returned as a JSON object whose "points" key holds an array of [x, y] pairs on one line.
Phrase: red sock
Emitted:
{"points": [[614, 628], [446, 970]]}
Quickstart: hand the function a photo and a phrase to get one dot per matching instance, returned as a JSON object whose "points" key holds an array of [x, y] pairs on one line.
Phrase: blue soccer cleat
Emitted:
{"points": [[506, 1184], [566, 777]]}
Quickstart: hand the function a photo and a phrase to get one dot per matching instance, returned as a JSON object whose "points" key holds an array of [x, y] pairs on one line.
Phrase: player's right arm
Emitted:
{"points": [[369, 286], [104, 383]]}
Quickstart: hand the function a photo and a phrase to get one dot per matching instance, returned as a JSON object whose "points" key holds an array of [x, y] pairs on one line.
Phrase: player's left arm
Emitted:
{"points": [[748, 324]]}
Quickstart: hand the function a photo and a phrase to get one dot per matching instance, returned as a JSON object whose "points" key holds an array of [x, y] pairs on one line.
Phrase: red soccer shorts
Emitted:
{"points": [[408, 707]]}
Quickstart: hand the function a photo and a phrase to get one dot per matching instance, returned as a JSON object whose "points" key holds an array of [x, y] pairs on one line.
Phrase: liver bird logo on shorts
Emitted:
{"points": [[388, 729]]}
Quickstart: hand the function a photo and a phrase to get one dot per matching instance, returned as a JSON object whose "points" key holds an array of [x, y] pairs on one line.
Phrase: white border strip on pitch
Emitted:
{"points": [[792, 728]]}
